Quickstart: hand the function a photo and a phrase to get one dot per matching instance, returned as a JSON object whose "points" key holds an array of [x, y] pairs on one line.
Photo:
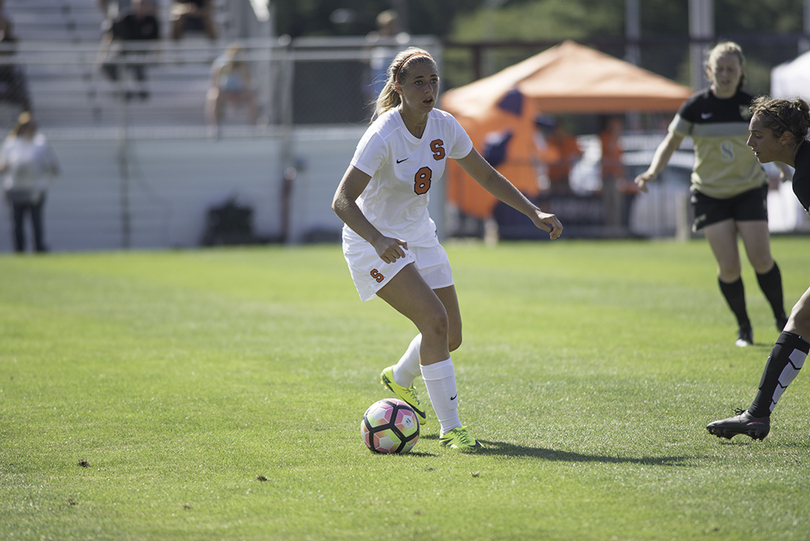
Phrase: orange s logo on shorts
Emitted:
{"points": [[377, 275]]}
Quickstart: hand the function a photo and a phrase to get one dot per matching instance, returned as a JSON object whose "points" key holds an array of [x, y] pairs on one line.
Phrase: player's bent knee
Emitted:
{"points": [[454, 342], [437, 326], [799, 321]]}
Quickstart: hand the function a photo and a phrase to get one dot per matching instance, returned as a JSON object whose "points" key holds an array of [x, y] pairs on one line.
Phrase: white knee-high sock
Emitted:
{"points": [[407, 368], [440, 380]]}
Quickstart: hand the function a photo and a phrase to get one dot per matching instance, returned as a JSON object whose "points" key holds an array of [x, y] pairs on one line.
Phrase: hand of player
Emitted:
{"points": [[390, 249], [643, 179], [550, 223]]}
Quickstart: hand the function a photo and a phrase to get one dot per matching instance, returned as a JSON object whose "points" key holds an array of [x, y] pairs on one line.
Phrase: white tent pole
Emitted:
{"points": [[701, 28], [632, 31]]}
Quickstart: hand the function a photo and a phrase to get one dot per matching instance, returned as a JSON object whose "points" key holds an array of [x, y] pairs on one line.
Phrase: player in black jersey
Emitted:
{"points": [[778, 133], [729, 186]]}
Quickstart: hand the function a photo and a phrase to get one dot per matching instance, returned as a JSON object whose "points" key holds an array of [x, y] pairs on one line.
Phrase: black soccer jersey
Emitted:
{"points": [[724, 165], [801, 177]]}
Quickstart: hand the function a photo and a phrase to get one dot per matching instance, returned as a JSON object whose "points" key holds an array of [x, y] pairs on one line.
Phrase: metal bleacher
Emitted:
{"points": [[58, 48]]}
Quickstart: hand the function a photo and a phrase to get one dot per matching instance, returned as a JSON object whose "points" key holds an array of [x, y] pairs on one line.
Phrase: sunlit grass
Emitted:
{"points": [[217, 395]]}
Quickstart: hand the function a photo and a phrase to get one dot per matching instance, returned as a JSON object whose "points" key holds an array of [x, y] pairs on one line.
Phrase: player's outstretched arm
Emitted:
{"points": [[660, 159]]}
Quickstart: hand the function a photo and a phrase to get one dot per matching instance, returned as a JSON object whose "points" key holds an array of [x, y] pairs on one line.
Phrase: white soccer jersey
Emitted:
{"points": [[404, 169]]}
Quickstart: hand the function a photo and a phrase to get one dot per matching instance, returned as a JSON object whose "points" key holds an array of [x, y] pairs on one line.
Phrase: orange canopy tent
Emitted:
{"points": [[567, 78]]}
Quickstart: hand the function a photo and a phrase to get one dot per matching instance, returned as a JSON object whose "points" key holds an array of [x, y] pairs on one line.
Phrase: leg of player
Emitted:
{"points": [[722, 237], [443, 379], [786, 359], [408, 293], [399, 378], [407, 368], [756, 239]]}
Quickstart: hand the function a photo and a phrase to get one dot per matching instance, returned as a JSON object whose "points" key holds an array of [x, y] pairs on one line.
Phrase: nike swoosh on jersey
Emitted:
{"points": [[400, 161], [454, 397]]}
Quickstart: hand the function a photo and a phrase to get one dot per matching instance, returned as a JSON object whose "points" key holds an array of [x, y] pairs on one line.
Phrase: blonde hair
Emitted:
{"points": [[234, 48], [396, 73], [722, 49], [782, 116], [24, 120]]}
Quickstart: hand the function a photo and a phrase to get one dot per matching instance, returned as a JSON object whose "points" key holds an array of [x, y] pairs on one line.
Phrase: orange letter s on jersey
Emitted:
{"points": [[436, 146]]}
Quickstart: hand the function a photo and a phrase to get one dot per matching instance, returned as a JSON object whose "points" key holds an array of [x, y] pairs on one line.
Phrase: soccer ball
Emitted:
{"points": [[390, 426]]}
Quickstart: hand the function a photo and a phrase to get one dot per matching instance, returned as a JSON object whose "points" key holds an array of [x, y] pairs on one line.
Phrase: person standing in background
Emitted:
{"points": [[616, 190], [28, 163], [562, 151]]}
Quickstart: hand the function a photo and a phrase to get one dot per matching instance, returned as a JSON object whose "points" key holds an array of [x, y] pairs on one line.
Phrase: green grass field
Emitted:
{"points": [[217, 394]]}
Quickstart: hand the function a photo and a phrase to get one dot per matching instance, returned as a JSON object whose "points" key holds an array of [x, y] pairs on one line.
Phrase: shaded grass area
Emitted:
{"points": [[217, 395]]}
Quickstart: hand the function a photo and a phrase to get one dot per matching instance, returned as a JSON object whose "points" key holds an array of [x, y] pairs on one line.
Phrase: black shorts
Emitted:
{"points": [[748, 206]]}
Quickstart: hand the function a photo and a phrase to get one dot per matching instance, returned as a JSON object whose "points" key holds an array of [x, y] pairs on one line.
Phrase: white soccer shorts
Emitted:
{"points": [[370, 273]]}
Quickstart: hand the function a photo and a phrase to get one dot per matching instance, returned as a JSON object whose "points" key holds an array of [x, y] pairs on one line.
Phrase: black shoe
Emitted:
{"points": [[745, 337], [743, 423]]}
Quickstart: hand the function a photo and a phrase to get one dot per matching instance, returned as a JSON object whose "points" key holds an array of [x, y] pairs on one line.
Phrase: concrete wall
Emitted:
{"points": [[172, 183]]}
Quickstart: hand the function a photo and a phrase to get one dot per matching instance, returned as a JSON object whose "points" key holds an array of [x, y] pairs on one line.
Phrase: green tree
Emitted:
{"points": [[664, 32], [299, 18]]}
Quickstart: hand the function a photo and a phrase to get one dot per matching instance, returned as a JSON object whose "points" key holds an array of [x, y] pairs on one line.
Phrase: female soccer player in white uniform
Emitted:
{"points": [[390, 241]]}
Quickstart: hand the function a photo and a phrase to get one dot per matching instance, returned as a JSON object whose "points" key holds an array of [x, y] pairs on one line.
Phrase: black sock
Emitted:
{"points": [[771, 285], [735, 297], [787, 358]]}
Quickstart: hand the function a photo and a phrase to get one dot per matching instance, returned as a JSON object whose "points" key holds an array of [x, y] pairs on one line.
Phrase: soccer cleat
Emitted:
{"points": [[460, 439], [407, 394], [745, 337], [742, 423]]}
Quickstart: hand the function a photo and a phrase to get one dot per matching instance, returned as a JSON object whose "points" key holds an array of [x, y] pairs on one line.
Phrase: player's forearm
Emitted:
{"points": [[348, 211], [663, 153], [500, 187]]}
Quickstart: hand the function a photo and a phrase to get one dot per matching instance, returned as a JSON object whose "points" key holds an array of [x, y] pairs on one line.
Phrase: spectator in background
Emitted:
{"points": [[612, 152], [230, 84], [193, 15], [615, 187], [13, 85], [562, 152], [25, 158], [383, 53], [140, 24], [111, 10], [543, 154]]}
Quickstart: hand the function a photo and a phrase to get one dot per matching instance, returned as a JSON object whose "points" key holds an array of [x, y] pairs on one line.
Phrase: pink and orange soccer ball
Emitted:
{"points": [[390, 426]]}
